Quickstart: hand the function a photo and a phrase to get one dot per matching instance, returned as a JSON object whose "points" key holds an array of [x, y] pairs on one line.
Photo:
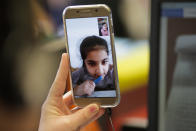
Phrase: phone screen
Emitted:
{"points": [[91, 57]]}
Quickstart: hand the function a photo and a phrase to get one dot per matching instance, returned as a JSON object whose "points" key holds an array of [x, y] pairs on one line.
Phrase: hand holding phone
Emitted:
{"points": [[55, 112]]}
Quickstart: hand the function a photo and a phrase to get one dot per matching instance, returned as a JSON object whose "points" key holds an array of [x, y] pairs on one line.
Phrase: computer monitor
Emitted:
{"points": [[173, 50]]}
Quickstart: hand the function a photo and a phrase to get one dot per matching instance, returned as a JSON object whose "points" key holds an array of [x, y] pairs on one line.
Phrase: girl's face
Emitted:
{"points": [[105, 27], [97, 63]]}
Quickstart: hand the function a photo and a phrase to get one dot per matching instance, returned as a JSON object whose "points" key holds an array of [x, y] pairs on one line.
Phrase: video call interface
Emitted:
{"points": [[91, 58]]}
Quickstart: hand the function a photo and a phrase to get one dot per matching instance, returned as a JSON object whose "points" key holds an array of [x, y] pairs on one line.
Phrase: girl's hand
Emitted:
{"points": [[87, 87], [56, 115]]}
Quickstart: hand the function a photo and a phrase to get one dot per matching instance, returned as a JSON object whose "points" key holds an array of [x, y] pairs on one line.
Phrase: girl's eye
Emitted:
{"points": [[104, 62], [92, 64]]}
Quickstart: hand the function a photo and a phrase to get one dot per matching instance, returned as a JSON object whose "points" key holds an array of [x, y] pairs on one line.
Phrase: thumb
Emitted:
{"points": [[59, 84], [85, 115]]}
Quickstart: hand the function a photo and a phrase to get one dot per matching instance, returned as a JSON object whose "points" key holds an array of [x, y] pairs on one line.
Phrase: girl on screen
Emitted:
{"points": [[96, 72], [103, 30]]}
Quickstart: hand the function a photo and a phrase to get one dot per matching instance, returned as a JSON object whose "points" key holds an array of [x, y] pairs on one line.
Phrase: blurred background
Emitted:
{"points": [[32, 41]]}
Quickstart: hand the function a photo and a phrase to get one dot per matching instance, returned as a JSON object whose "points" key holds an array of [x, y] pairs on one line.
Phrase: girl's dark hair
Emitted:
{"points": [[103, 23], [91, 43]]}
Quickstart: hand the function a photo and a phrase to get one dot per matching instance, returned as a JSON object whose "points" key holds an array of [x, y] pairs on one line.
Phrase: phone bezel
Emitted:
{"points": [[85, 11]]}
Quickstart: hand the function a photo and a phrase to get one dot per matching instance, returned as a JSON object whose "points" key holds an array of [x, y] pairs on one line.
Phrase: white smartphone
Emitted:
{"points": [[90, 44]]}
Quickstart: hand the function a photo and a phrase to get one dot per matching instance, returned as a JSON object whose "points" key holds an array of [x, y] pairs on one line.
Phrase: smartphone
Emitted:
{"points": [[90, 44]]}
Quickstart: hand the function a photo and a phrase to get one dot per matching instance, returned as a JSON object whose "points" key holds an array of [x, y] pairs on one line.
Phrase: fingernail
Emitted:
{"points": [[93, 109], [62, 55]]}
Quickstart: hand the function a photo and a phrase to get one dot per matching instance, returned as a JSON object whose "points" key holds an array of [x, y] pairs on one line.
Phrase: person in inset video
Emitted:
{"points": [[103, 30], [96, 72]]}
